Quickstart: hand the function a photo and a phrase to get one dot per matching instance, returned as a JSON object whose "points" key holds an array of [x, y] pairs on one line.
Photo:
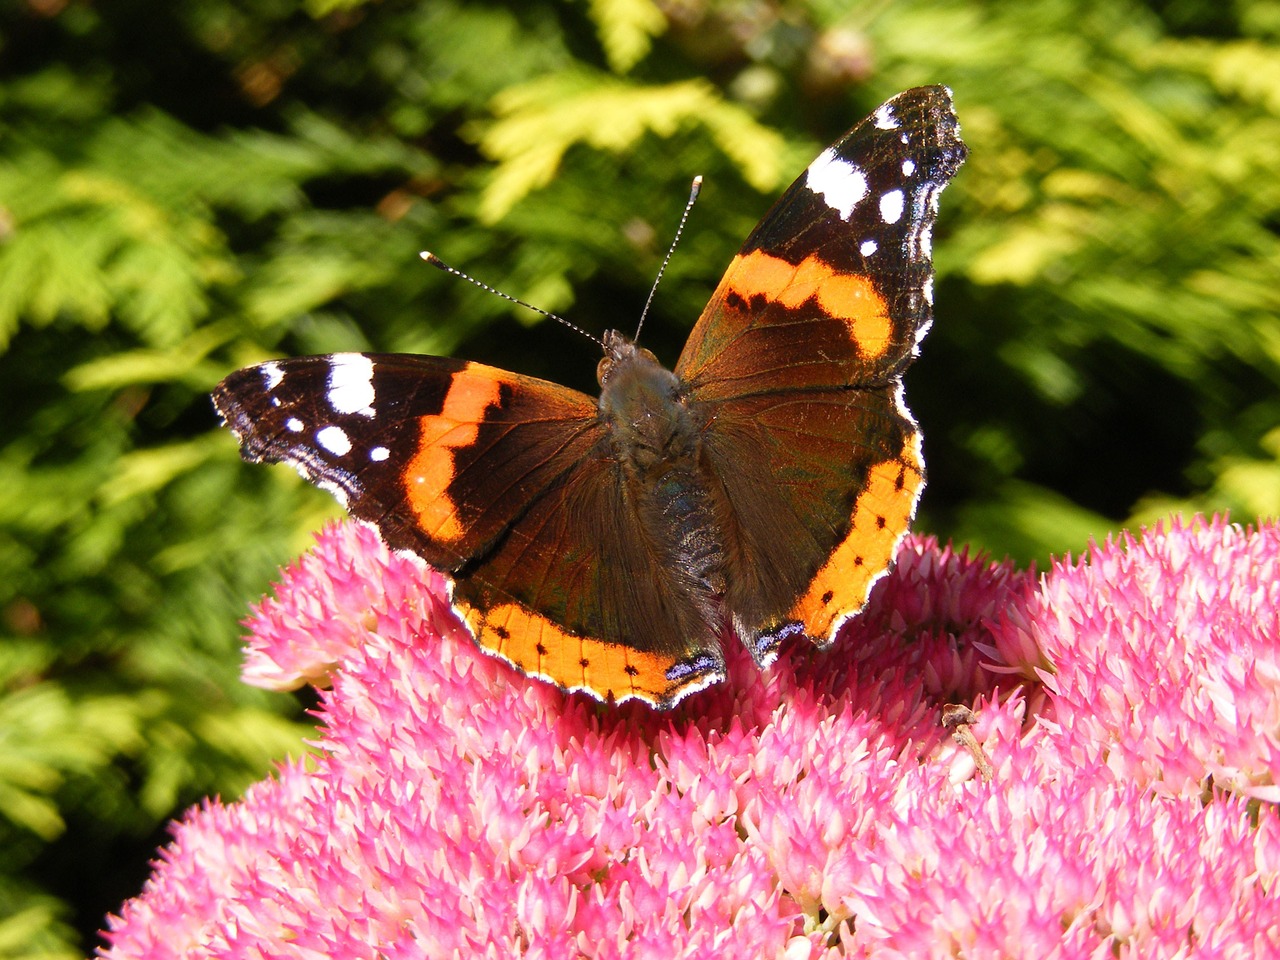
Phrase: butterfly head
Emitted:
{"points": [[620, 353]]}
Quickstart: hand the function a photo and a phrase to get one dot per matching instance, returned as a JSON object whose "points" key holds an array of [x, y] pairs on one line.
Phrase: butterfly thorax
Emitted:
{"points": [[653, 430], [657, 439]]}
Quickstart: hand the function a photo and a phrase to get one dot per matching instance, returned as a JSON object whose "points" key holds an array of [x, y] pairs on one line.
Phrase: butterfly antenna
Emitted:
{"points": [[435, 261], [694, 190]]}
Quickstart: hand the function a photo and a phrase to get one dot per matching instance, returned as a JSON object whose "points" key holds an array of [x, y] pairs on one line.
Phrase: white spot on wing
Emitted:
{"points": [[334, 439], [908, 167], [932, 190], [928, 290], [840, 183], [378, 454], [892, 203], [884, 118], [339, 493], [900, 404], [351, 384], [294, 424], [271, 375], [869, 247], [922, 331], [342, 484]]}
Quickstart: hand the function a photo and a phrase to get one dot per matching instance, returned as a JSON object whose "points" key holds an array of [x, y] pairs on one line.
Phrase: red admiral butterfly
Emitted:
{"points": [[760, 489]]}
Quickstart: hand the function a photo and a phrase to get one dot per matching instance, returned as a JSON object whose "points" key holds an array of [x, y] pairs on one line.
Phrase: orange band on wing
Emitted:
{"points": [[536, 646], [431, 471], [881, 515], [849, 297]]}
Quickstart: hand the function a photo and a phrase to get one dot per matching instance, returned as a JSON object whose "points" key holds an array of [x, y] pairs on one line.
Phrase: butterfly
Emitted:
{"points": [[757, 491]]}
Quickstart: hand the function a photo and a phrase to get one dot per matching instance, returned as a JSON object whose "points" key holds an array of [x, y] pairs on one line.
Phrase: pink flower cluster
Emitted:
{"points": [[1129, 705]]}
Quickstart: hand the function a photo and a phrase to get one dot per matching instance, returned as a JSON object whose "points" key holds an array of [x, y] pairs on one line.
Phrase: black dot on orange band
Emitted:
{"points": [[826, 597], [584, 663], [857, 561], [631, 671], [502, 632], [880, 523], [542, 651]]}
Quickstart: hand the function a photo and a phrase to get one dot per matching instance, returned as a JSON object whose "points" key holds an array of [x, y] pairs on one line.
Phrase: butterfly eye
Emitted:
{"points": [[602, 370]]}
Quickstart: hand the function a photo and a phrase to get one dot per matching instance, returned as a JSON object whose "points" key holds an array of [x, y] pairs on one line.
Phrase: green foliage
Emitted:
{"points": [[540, 121], [627, 29], [186, 188]]}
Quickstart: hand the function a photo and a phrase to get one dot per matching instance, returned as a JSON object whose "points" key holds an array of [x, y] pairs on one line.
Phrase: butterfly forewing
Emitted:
{"points": [[398, 439], [834, 287]]}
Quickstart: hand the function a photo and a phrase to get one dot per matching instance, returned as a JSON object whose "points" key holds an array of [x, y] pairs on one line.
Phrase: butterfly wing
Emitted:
{"points": [[797, 361], [506, 483]]}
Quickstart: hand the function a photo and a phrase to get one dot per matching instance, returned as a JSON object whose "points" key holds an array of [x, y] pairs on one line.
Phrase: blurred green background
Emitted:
{"points": [[189, 187]]}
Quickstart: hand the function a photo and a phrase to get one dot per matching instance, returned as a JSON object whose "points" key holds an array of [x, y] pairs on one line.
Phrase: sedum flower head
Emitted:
{"points": [[1129, 705]]}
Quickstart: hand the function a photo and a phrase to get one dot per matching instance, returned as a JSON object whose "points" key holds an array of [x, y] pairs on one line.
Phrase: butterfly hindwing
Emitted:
{"points": [[811, 532], [575, 593]]}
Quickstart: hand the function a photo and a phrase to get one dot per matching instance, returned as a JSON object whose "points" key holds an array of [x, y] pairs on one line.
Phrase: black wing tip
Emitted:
{"points": [[935, 96], [225, 404], [938, 102], [929, 113], [241, 407]]}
